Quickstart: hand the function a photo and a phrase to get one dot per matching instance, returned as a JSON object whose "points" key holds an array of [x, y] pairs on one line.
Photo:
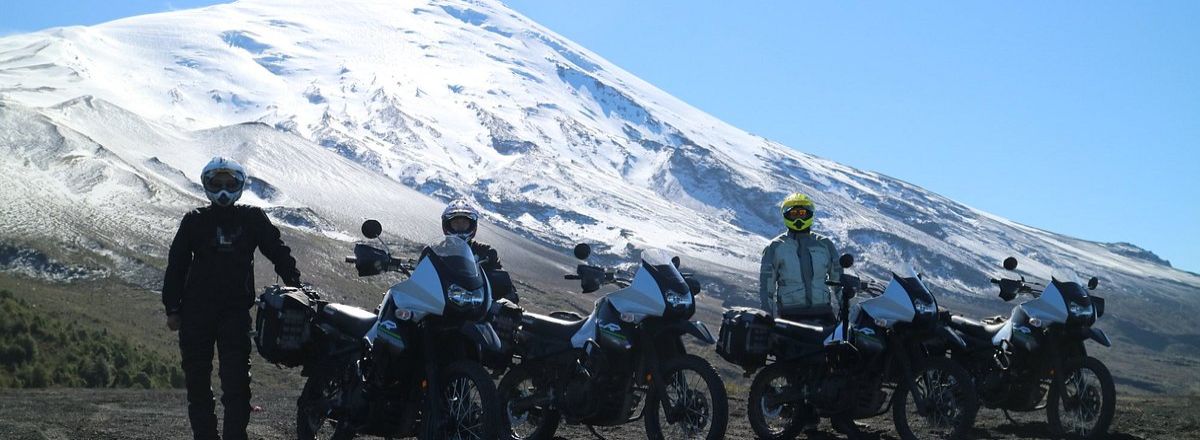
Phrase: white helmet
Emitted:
{"points": [[223, 181], [460, 209]]}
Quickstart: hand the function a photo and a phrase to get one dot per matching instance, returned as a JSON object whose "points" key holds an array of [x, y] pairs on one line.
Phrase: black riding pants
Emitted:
{"points": [[229, 330]]}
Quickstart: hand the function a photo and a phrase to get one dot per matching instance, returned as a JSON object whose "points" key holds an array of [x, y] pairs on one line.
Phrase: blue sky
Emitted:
{"points": [[1077, 117]]}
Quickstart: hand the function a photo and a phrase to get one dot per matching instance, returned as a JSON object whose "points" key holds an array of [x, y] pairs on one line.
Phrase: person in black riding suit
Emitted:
{"points": [[462, 220], [208, 289]]}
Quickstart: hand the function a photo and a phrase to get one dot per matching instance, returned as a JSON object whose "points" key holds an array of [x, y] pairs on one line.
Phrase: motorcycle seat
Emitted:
{"points": [[801, 331], [549, 326], [350, 320], [975, 328]]}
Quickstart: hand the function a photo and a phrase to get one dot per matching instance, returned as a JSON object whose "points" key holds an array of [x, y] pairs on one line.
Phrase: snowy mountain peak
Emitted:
{"points": [[471, 99]]}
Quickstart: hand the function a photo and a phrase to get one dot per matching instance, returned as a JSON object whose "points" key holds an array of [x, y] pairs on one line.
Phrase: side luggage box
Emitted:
{"points": [[745, 338], [284, 325]]}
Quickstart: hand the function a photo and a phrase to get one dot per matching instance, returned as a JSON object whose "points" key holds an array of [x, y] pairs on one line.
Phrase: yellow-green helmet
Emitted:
{"points": [[797, 211]]}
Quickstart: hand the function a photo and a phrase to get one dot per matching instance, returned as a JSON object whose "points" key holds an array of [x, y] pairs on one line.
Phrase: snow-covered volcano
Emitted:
{"points": [[469, 98]]}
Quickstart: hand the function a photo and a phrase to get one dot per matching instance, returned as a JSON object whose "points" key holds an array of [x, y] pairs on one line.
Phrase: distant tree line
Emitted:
{"points": [[38, 351]]}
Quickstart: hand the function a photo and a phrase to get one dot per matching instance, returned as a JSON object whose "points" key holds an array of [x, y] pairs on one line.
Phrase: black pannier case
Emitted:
{"points": [[745, 337], [283, 327]]}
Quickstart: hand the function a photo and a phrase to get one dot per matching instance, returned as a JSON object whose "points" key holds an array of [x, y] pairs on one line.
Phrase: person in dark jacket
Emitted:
{"points": [[462, 220], [208, 290]]}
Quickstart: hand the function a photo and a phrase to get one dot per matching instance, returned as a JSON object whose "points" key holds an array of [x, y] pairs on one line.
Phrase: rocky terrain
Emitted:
{"points": [[160, 415]]}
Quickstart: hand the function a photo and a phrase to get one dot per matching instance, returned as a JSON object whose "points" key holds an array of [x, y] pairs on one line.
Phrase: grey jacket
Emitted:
{"points": [[794, 269]]}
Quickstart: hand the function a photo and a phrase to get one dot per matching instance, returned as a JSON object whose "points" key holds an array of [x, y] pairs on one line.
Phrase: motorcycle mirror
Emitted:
{"points": [[372, 229], [675, 261], [1010, 263], [583, 251], [1092, 283], [846, 261], [693, 285]]}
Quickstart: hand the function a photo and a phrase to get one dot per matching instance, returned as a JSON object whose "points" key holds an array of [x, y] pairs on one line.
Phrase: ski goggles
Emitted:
{"points": [[798, 213], [223, 181], [460, 224]]}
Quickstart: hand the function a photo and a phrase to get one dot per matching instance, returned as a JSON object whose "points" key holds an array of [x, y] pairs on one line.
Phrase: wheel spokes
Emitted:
{"points": [[688, 408], [935, 403], [464, 409], [526, 422], [1080, 402]]}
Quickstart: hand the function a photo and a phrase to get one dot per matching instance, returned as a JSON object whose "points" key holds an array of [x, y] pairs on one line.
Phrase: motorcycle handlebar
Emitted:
{"points": [[351, 260], [570, 277]]}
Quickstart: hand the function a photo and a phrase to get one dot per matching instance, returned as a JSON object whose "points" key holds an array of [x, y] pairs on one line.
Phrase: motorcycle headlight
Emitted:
{"points": [[633, 318], [465, 298], [1081, 310], [678, 300], [924, 308]]}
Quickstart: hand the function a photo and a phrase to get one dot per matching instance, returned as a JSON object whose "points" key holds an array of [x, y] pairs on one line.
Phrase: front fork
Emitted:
{"points": [[657, 381], [653, 372], [433, 386], [905, 364]]}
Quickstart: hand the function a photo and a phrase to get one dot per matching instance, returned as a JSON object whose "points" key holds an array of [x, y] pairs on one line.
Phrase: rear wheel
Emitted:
{"points": [[942, 405], [314, 407], [696, 406], [770, 418], [536, 422], [1081, 400]]}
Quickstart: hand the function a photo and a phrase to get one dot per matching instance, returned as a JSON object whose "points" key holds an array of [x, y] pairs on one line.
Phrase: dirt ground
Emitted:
{"points": [[133, 414]]}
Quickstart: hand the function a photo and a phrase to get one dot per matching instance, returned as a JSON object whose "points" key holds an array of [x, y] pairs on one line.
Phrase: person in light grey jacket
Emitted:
{"points": [[795, 266]]}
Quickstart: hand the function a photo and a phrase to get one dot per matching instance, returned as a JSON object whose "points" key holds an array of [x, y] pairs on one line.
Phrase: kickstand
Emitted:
{"points": [[592, 429], [1010, 419]]}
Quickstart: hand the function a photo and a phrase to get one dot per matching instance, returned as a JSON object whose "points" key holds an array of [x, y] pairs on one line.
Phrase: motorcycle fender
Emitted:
{"points": [[952, 336], [700, 331], [483, 334], [1098, 335]]}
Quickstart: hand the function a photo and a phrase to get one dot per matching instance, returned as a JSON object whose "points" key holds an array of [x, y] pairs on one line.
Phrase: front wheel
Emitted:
{"points": [[695, 403], [524, 421], [470, 404], [940, 404], [1081, 400]]}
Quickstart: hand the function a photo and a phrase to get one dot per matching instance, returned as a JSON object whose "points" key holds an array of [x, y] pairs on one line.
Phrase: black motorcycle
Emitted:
{"points": [[623, 362], [414, 368], [889, 350], [1036, 359]]}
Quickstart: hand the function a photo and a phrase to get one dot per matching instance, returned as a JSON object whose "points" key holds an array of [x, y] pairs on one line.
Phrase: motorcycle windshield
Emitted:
{"points": [[456, 263], [914, 285], [659, 263], [1068, 283]]}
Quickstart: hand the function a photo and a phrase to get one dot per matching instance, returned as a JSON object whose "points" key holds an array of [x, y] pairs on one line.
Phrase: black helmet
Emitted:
{"points": [[460, 209]]}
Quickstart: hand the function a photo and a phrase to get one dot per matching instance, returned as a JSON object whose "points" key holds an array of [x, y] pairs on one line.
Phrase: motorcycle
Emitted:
{"points": [[414, 367], [889, 349], [627, 354], [1036, 359]]}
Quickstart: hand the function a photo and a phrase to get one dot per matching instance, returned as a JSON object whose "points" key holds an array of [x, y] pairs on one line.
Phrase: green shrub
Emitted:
{"points": [[38, 350], [12, 355], [143, 380]]}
